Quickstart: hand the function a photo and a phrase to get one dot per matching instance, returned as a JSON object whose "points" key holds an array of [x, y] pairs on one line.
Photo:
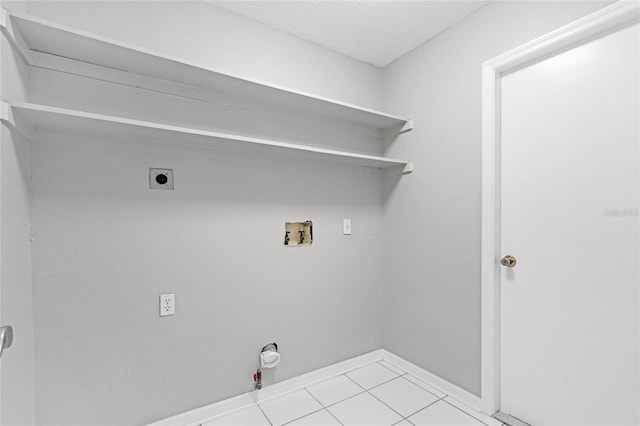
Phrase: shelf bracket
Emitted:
{"points": [[408, 168], [7, 118], [400, 170], [6, 114], [14, 37], [389, 135], [408, 126]]}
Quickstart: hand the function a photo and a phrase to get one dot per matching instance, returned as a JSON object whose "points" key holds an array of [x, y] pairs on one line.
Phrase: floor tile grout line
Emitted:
{"points": [[465, 412], [360, 393], [346, 399], [424, 384], [314, 397], [406, 419], [362, 366], [387, 405], [382, 365], [426, 390], [332, 415], [359, 385], [428, 385], [422, 409], [367, 391], [478, 412], [302, 417], [388, 381], [395, 366], [364, 390], [383, 383], [342, 400], [342, 374], [264, 414], [349, 397], [308, 414], [384, 403], [407, 374], [416, 412], [373, 387], [323, 406], [369, 364]]}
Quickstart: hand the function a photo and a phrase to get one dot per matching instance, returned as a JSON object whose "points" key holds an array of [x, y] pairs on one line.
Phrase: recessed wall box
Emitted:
{"points": [[298, 233], [161, 179]]}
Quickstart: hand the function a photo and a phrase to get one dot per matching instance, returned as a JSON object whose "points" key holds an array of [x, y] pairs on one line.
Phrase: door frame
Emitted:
{"points": [[613, 17]]}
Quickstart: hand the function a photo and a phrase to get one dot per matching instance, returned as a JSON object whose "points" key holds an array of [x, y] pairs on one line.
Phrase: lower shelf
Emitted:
{"points": [[20, 114]]}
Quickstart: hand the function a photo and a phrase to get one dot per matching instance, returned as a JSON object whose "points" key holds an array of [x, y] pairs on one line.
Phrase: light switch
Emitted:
{"points": [[346, 226]]}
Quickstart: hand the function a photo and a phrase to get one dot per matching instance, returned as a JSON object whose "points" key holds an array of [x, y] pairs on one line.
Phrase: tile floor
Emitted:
{"points": [[376, 394]]}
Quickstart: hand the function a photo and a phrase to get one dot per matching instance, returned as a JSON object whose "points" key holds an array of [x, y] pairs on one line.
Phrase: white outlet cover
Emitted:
{"points": [[167, 304], [161, 178]]}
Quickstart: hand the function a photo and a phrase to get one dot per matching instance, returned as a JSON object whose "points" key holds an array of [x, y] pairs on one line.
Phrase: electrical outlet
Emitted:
{"points": [[167, 304], [161, 179]]}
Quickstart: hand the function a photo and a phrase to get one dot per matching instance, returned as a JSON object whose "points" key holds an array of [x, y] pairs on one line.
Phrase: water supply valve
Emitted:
{"points": [[257, 379]]}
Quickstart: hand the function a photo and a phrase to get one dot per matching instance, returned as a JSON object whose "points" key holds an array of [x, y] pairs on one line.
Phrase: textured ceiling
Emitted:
{"points": [[376, 32]]}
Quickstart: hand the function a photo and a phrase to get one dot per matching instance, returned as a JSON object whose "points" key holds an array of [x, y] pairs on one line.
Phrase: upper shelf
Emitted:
{"points": [[21, 115], [34, 34]]}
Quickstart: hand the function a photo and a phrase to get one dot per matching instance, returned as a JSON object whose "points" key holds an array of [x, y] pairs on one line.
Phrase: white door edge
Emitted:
{"points": [[618, 15]]}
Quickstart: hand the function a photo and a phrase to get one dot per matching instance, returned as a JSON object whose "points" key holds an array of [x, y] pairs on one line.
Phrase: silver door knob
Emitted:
{"points": [[508, 261]]}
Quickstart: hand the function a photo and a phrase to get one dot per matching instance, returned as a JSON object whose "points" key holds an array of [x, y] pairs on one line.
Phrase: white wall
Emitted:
{"points": [[105, 246], [17, 363], [432, 220]]}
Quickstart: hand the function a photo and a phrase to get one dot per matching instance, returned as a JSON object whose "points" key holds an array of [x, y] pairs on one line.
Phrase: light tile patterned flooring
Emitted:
{"points": [[376, 394]]}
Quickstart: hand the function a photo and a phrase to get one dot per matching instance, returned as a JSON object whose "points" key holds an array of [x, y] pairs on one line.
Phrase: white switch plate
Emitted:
{"points": [[167, 304], [346, 226]]}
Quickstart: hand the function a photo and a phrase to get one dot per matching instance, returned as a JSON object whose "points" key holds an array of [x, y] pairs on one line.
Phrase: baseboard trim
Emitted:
{"points": [[437, 382], [210, 412]]}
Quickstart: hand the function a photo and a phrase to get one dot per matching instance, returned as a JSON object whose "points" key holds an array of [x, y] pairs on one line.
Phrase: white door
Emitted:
{"points": [[569, 191]]}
